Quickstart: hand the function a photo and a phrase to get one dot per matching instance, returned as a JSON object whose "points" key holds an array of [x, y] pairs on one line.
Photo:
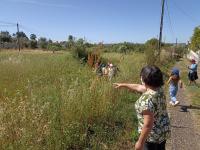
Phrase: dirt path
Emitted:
{"points": [[184, 136]]}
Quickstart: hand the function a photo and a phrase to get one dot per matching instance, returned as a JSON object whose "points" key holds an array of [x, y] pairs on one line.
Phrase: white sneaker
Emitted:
{"points": [[176, 103], [171, 103]]}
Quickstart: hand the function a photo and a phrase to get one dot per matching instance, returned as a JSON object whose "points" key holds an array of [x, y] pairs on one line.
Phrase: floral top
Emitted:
{"points": [[155, 102]]}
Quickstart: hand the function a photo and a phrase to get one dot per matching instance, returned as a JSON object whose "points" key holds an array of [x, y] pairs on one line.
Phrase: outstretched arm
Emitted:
{"points": [[133, 87]]}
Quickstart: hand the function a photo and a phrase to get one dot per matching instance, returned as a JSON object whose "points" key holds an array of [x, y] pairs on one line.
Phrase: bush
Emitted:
{"points": [[54, 47], [150, 51], [150, 56], [180, 51], [80, 53]]}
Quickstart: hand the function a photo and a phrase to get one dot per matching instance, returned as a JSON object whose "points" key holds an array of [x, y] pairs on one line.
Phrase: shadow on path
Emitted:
{"points": [[184, 108]]}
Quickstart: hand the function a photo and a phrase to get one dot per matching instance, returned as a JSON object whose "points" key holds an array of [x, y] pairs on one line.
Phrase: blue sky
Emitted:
{"points": [[102, 20]]}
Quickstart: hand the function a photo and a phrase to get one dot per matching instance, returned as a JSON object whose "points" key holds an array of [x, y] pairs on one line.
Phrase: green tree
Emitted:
{"points": [[24, 41], [195, 40], [33, 41], [21, 35], [80, 42], [5, 39], [180, 51], [43, 43], [50, 41], [151, 52], [152, 43], [70, 42], [123, 48], [5, 36], [33, 37], [79, 50], [70, 38], [54, 47]]}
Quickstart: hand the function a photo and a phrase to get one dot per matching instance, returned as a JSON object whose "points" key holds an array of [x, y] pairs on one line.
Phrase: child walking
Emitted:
{"points": [[153, 119], [174, 82]]}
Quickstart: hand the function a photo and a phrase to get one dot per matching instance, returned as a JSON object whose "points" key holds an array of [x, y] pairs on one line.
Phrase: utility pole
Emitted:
{"points": [[18, 38], [174, 49], [161, 28]]}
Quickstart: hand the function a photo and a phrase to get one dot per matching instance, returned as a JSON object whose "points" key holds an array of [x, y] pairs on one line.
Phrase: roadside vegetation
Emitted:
{"points": [[56, 100]]}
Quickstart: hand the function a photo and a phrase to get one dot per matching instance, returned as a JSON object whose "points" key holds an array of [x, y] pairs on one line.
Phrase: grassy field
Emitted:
{"points": [[51, 101]]}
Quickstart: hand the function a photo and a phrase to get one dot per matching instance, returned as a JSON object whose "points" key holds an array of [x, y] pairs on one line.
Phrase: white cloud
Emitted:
{"points": [[39, 3]]}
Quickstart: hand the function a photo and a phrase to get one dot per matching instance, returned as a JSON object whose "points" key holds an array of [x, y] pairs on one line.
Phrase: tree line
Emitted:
{"points": [[195, 40], [9, 41]]}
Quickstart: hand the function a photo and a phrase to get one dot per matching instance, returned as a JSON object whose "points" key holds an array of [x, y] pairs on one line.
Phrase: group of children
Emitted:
{"points": [[106, 70], [175, 81], [151, 108]]}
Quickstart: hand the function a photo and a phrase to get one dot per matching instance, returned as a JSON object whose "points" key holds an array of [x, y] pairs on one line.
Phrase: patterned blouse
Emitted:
{"points": [[155, 102]]}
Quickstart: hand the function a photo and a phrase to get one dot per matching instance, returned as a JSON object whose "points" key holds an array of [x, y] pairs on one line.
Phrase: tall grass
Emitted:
{"points": [[51, 101]]}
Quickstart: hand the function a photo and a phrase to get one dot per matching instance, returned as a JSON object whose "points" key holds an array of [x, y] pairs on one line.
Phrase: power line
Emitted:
{"points": [[23, 27], [170, 22], [7, 23], [27, 29], [30, 30], [185, 13], [3, 25]]}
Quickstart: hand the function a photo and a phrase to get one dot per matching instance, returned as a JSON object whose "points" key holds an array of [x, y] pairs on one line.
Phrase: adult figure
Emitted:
{"points": [[192, 75], [151, 109]]}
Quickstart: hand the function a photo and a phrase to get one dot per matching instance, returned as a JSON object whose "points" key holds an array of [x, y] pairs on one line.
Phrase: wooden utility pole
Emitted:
{"points": [[18, 38], [161, 28]]}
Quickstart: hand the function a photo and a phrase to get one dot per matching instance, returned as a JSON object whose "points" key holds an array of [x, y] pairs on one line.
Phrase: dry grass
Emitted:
{"points": [[51, 101], [30, 51]]}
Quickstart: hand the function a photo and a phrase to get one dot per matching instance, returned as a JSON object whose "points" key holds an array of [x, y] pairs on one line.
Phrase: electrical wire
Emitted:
{"points": [[7, 23], [170, 22], [30, 30], [3, 25], [23, 27], [185, 13]]}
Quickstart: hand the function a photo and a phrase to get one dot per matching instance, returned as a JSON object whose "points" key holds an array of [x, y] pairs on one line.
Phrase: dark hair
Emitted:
{"points": [[152, 76]]}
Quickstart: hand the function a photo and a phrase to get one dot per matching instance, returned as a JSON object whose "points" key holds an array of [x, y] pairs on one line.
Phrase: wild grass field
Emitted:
{"points": [[51, 101]]}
